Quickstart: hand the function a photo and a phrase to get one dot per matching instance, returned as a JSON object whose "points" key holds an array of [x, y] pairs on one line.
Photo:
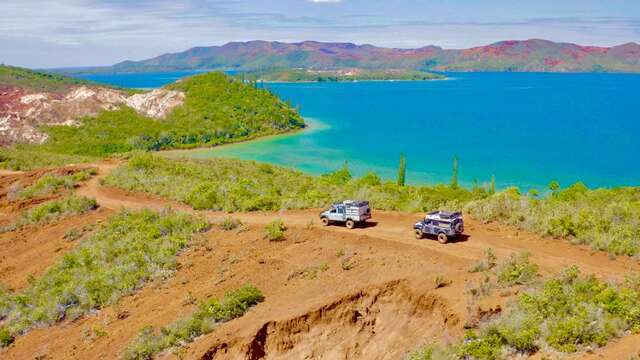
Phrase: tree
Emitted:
{"points": [[454, 177], [402, 170], [554, 186], [493, 184]]}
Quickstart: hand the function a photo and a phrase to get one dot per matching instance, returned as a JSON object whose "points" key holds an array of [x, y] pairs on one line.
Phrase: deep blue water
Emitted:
{"points": [[525, 128], [139, 80]]}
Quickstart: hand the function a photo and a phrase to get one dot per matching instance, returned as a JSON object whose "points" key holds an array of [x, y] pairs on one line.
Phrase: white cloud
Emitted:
{"points": [[325, 1]]}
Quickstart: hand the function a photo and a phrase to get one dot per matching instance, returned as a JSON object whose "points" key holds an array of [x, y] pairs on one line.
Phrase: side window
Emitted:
{"points": [[333, 211], [341, 210]]}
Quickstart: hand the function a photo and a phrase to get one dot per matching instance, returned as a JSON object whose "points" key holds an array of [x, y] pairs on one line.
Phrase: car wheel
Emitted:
{"points": [[350, 224], [418, 233], [325, 221], [443, 238]]}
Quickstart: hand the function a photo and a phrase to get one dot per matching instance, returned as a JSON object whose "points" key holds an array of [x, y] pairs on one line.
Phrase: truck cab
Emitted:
{"points": [[350, 212], [443, 224]]}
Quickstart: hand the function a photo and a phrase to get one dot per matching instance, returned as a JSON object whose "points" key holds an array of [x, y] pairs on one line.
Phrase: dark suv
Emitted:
{"points": [[442, 224]]}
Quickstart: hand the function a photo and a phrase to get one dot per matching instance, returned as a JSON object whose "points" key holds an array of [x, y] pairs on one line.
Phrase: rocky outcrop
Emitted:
{"points": [[157, 103], [22, 112]]}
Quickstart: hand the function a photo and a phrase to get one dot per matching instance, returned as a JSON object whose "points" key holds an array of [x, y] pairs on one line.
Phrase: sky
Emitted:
{"points": [[65, 33]]}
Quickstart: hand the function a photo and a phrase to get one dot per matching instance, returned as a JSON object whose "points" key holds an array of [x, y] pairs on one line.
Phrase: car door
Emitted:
{"points": [[333, 215]]}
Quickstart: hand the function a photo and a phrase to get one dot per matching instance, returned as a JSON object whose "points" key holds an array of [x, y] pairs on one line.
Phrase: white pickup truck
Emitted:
{"points": [[350, 212]]}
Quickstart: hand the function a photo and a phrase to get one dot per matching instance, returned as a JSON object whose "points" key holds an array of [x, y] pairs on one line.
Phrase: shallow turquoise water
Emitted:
{"points": [[526, 129]]}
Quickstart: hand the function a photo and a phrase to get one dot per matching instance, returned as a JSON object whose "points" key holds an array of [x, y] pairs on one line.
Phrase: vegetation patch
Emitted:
{"points": [[53, 211], [130, 249], [235, 185], [488, 263], [209, 313], [29, 157], [567, 313], [605, 219], [517, 269], [310, 272], [275, 230], [36, 80], [52, 183], [229, 223]]}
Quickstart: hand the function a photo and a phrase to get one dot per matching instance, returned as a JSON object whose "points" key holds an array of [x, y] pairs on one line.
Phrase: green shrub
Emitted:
{"points": [[52, 183], [430, 352], [229, 223], [275, 230], [120, 257], [29, 157], [567, 312], [517, 269], [605, 219], [53, 211], [209, 313], [235, 185]]}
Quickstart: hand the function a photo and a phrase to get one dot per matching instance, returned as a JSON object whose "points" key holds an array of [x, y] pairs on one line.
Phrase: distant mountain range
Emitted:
{"points": [[529, 55]]}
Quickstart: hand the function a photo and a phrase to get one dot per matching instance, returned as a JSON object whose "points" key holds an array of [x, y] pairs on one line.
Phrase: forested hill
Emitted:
{"points": [[529, 55], [70, 119]]}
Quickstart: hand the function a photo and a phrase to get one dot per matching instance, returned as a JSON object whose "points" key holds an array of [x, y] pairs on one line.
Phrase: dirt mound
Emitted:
{"points": [[22, 112], [377, 322]]}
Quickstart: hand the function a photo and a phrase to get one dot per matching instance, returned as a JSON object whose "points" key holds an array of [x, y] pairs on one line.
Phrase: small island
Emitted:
{"points": [[341, 75]]}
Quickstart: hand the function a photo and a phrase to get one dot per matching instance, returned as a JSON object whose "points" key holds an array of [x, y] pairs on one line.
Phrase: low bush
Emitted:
{"points": [[605, 219], [52, 183], [229, 223], [130, 249], [430, 352], [567, 313], [29, 157], [235, 185], [209, 313], [439, 281], [517, 269], [275, 230], [487, 264], [53, 211]]}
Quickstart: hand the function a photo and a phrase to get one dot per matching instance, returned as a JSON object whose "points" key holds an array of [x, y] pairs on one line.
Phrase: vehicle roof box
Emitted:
{"points": [[358, 203], [445, 214]]}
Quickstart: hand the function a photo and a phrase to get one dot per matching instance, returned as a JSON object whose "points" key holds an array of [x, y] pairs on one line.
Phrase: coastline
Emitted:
{"points": [[311, 125]]}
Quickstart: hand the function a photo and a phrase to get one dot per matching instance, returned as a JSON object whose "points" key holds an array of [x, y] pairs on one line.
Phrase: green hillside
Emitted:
{"points": [[217, 110], [35, 80]]}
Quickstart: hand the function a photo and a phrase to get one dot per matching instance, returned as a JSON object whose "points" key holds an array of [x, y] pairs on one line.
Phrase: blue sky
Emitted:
{"points": [[45, 33]]}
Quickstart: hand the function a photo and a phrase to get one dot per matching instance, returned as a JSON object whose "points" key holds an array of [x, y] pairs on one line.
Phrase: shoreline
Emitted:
{"points": [[311, 124]]}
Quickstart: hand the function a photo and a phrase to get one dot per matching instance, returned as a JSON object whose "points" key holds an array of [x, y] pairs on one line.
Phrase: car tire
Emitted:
{"points": [[325, 221], [350, 224], [459, 228], [443, 238], [419, 234]]}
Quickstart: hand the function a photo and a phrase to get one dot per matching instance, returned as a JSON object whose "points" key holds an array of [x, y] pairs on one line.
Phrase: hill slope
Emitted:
{"points": [[84, 119], [36, 81], [529, 55]]}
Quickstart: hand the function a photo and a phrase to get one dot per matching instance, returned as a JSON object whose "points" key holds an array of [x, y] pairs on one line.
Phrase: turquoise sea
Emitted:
{"points": [[526, 129]]}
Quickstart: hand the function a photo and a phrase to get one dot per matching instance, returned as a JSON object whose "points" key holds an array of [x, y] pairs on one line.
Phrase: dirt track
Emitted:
{"points": [[382, 307]]}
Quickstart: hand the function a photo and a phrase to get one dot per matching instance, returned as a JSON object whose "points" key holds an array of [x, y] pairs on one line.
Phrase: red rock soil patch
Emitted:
{"points": [[30, 251]]}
